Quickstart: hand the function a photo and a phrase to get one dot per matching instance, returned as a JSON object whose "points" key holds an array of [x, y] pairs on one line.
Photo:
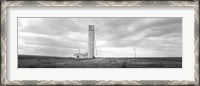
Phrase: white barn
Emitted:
{"points": [[80, 55]]}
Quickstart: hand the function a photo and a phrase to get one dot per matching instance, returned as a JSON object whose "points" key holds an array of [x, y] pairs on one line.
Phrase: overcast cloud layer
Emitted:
{"points": [[115, 37]]}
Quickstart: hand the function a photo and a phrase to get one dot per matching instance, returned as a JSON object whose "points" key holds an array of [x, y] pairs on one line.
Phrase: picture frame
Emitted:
{"points": [[5, 4]]}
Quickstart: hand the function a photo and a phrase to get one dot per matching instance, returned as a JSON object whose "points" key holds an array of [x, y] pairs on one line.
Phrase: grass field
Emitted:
{"points": [[28, 61]]}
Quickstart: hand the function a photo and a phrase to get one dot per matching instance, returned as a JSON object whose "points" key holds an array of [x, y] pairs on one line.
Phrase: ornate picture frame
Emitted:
{"points": [[5, 4]]}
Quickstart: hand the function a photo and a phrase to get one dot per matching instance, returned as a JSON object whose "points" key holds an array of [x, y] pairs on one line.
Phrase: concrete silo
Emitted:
{"points": [[91, 39]]}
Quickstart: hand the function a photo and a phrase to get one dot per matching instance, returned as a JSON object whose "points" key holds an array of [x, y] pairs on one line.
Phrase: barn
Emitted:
{"points": [[80, 55]]}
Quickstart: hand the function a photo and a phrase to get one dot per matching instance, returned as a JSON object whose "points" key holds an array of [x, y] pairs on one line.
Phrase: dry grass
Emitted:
{"points": [[25, 61]]}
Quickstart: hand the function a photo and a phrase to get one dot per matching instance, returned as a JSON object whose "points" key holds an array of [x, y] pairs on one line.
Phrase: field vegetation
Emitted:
{"points": [[28, 61]]}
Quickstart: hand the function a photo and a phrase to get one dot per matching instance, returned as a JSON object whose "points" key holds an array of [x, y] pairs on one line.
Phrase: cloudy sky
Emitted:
{"points": [[115, 37]]}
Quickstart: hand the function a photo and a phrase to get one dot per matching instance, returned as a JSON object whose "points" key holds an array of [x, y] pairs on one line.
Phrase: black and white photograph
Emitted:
{"points": [[99, 42]]}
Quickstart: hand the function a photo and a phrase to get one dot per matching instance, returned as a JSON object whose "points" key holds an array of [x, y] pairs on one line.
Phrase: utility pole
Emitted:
{"points": [[95, 47], [79, 51]]}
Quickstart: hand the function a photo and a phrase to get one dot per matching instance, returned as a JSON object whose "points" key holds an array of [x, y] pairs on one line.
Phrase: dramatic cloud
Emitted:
{"points": [[115, 37]]}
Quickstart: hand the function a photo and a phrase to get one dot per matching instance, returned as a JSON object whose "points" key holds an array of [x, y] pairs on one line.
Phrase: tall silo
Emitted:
{"points": [[91, 39]]}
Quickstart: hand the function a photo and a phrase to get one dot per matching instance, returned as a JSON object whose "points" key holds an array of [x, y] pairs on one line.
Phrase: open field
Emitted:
{"points": [[28, 61]]}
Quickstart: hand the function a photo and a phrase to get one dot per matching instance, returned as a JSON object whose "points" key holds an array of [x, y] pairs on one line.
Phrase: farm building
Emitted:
{"points": [[80, 55], [91, 43]]}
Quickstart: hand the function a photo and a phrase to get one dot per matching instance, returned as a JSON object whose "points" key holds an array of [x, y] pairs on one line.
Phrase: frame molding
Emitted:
{"points": [[4, 4]]}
